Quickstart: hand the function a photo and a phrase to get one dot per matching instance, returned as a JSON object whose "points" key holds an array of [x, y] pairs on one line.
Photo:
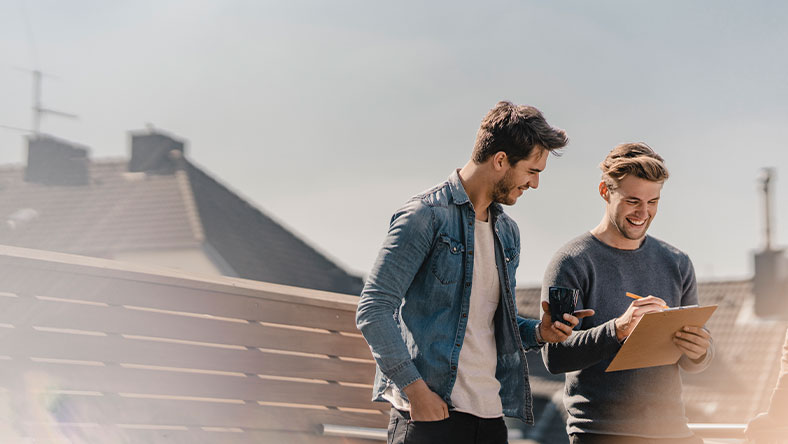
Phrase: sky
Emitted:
{"points": [[329, 115]]}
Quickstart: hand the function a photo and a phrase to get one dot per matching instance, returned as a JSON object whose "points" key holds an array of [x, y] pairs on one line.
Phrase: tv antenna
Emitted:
{"points": [[38, 108]]}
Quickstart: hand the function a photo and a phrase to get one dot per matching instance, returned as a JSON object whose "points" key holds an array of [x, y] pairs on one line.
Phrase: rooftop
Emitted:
{"points": [[180, 206]]}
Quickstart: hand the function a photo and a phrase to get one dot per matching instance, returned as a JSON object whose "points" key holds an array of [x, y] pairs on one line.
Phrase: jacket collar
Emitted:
{"points": [[460, 197], [458, 193]]}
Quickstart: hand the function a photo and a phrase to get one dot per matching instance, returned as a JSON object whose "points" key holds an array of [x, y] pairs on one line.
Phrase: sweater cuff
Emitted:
{"points": [[690, 366], [610, 332]]}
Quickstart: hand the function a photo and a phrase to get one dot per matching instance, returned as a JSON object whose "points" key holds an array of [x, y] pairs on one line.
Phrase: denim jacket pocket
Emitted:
{"points": [[447, 259]]}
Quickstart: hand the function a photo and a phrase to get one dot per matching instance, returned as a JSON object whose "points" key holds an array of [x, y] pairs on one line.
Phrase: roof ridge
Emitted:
{"points": [[295, 233], [193, 215]]}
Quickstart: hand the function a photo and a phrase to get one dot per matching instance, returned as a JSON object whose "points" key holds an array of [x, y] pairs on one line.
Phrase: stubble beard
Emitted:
{"points": [[502, 190], [622, 229]]}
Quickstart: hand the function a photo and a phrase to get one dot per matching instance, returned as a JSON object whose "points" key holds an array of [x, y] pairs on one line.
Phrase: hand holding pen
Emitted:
{"points": [[693, 342], [639, 307]]}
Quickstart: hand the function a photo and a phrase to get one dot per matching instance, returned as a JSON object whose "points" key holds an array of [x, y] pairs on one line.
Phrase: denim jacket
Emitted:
{"points": [[413, 309]]}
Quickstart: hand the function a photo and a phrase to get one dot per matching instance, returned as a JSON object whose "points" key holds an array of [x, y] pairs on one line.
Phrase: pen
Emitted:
{"points": [[634, 296]]}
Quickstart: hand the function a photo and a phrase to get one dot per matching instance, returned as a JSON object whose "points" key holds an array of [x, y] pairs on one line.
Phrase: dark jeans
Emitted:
{"points": [[593, 438], [458, 428]]}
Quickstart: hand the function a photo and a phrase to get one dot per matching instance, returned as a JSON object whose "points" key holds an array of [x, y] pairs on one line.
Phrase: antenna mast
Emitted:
{"points": [[38, 108], [767, 175]]}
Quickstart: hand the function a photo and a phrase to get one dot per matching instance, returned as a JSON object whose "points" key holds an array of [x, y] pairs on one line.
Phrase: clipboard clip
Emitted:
{"points": [[680, 308]]}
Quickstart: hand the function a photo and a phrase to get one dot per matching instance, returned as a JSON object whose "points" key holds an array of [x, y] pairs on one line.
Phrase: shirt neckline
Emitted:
{"points": [[621, 250]]}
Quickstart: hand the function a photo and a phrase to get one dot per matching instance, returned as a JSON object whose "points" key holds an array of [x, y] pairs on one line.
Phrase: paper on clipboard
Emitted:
{"points": [[651, 342]]}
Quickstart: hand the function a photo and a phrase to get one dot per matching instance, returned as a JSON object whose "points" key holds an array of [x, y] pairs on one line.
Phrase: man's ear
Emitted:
{"points": [[500, 161], [604, 191]]}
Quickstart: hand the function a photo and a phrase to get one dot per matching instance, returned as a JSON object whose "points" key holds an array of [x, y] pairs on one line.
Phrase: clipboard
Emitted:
{"points": [[651, 342]]}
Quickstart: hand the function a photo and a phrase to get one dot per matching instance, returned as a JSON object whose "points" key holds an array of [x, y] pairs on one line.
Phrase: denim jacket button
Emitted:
{"points": [[454, 367], [465, 315], [507, 259]]}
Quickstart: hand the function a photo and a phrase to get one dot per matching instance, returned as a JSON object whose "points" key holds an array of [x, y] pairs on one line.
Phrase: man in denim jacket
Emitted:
{"points": [[438, 307]]}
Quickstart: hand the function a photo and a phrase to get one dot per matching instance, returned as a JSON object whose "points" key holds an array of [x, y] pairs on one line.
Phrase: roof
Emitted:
{"points": [[738, 383], [122, 211], [118, 211], [256, 246]]}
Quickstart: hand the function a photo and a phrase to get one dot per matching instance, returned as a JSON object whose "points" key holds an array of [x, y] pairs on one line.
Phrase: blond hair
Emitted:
{"points": [[635, 158]]}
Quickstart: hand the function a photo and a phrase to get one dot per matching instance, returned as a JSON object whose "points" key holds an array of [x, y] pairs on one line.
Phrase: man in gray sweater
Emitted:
{"points": [[630, 406]]}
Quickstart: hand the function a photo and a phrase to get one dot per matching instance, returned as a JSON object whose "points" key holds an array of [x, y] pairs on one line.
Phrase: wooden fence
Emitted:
{"points": [[97, 351]]}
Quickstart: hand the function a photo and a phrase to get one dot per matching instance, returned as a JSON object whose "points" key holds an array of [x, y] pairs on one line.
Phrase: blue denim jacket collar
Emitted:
{"points": [[460, 197]]}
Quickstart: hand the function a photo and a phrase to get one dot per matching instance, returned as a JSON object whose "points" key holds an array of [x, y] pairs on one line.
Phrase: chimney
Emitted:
{"points": [[770, 284], [155, 153], [52, 161]]}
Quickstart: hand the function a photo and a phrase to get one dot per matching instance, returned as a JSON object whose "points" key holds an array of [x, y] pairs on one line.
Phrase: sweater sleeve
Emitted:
{"points": [[585, 347]]}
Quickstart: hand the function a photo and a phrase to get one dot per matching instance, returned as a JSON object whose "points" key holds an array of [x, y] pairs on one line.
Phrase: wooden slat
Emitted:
{"points": [[26, 342], [93, 266], [28, 280], [31, 273], [118, 410], [244, 437], [50, 433], [25, 311], [118, 379], [266, 437]]}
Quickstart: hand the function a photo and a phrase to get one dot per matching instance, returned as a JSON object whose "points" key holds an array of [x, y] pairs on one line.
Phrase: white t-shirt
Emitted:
{"points": [[476, 388]]}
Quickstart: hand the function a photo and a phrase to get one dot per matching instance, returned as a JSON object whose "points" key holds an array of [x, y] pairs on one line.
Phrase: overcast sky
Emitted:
{"points": [[329, 115]]}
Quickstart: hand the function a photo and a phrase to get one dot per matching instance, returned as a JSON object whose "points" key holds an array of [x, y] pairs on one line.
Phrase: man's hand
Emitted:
{"points": [[558, 331], [693, 342], [425, 405], [639, 307]]}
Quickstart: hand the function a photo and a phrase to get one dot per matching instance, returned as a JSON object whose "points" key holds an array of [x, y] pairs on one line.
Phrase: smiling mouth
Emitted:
{"points": [[635, 222]]}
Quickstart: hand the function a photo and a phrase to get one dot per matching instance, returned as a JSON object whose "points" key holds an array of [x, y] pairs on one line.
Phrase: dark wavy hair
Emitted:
{"points": [[516, 130]]}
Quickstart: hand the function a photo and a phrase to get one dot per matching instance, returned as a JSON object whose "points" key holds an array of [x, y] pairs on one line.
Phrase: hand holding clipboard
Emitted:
{"points": [[651, 342]]}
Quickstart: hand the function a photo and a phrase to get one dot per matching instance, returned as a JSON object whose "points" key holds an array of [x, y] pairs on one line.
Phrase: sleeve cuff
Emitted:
{"points": [[528, 334], [690, 366], [404, 375], [540, 342], [610, 330]]}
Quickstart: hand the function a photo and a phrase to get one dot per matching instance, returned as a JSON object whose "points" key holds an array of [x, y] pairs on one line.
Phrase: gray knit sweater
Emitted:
{"points": [[642, 402]]}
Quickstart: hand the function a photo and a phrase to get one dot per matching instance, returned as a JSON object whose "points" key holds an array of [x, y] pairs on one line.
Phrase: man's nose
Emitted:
{"points": [[534, 182]]}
